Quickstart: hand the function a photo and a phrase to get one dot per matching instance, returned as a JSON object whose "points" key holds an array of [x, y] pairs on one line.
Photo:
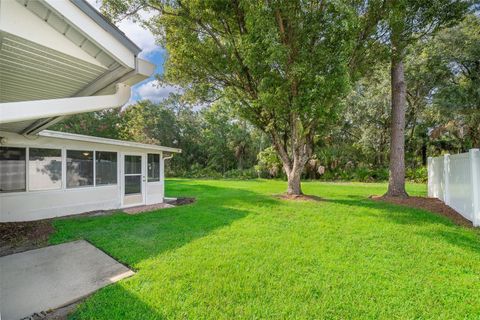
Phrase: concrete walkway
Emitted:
{"points": [[52, 277]]}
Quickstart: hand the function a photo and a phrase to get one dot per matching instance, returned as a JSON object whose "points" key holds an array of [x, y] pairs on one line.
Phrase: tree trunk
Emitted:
{"points": [[396, 184], [294, 156], [294, 181]]}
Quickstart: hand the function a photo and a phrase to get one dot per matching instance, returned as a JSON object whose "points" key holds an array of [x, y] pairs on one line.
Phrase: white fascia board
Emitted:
{"points": [[143, 70], [19, 21], [39, 109], [84, 138], [93, 31]]}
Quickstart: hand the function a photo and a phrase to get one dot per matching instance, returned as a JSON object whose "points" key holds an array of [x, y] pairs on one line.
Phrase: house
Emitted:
{"points": [[59, 58]]}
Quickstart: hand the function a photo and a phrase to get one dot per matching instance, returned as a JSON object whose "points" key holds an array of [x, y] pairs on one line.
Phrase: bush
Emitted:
{"points": [[361, 174], [241, 174], [419, 174], [197, 172]]}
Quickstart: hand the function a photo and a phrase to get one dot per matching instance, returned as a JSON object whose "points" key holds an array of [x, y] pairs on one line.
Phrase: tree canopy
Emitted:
{"points": [[304, 86]]}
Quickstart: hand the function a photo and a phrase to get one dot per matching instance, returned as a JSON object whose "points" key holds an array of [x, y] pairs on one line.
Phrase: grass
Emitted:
{"points": [[241, 253]]}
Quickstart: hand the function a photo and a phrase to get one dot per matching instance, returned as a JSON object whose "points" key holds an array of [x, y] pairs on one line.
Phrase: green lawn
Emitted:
{"points": [[241, 253]]}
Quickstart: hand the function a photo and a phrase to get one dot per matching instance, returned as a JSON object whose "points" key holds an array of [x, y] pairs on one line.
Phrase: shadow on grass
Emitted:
{"points": [[455, 235], [111, 303], [134, 238], [395, 213]]}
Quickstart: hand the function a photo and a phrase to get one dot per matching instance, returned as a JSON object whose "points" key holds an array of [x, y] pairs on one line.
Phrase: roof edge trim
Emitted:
{"points": [[85, 138], [103, 22]]}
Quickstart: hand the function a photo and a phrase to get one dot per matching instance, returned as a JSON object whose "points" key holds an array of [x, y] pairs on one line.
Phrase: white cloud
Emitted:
{"points": [[153, 91]]}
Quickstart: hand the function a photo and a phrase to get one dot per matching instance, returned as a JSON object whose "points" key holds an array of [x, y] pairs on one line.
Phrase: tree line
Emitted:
{"points": [[325, 85]]}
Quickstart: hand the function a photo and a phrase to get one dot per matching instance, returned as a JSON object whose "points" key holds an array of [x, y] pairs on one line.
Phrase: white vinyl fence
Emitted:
{"points": [[455, 179]]}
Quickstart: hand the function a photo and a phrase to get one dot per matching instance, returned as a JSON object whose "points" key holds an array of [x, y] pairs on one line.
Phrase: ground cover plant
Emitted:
{"points": [[241, 252]]}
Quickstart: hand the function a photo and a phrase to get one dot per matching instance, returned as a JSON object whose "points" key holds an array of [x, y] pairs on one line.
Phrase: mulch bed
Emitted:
{"points": [[21, 236], [302, 197], [430, 204]]}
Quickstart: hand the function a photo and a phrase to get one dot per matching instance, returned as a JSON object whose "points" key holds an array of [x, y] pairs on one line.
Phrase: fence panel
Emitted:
{"points": [[436, 179], [460, 185], [455, 179]]}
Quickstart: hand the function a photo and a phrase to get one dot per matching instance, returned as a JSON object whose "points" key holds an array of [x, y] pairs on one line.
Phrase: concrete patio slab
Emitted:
{"points": [[54, 276]]}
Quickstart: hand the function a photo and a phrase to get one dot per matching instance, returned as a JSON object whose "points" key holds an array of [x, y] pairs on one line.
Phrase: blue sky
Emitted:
{"points": [[149, 88]]}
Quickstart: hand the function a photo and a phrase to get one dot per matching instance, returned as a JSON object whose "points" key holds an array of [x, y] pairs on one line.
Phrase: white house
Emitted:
{"points": [[59, 58]]}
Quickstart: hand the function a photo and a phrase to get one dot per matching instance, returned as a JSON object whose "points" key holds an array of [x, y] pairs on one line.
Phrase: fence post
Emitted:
{"points": [[475, 169], [430, 176], [446, 170]]}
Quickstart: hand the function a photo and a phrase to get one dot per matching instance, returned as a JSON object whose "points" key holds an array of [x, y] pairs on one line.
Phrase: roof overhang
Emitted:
{"points": [[84, 138], [59, 52]]}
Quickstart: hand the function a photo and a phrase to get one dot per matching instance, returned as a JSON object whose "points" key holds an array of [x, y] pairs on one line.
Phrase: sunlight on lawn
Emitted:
{"points": [[238, 252]]}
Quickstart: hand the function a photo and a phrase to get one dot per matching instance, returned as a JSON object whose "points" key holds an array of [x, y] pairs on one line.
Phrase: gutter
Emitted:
{"points": [[84, 138], [38, 109]]}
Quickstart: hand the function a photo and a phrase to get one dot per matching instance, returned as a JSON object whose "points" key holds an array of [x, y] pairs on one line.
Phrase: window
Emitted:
{"points": [[133, 184], [79, 168], [12, 169], [133, 165], [44, 169], [153, 167], [105, 168]]}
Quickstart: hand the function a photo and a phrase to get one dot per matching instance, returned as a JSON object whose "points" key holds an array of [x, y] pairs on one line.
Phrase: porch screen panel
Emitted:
{"points": [[44, 169], [79, 168], [12, 169], [153, 167], [133, 184], [105, 168], [133, 174], [133, 165]]}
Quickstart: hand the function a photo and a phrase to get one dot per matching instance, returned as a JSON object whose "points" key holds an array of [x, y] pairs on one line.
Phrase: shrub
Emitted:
{"points": [[419, 174], [241, 174]]}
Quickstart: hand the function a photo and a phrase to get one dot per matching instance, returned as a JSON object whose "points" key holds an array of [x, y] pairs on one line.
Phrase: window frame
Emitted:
{"points": [[26, 181], [158, 167], [62, 173], [95, 169], [66, 169]]}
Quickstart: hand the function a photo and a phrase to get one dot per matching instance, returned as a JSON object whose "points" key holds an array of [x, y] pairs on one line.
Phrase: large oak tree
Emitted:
{"points": [[284, 64]]}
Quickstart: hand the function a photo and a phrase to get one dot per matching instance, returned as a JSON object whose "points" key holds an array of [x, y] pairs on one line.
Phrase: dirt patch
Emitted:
{"points": [[58, 314], [430, 204], [302, 197], [95, 213], [21, 236], [181, 201]]}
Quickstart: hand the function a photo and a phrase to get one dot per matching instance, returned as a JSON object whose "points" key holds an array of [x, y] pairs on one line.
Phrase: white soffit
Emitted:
{"points": [[98, 36], [29, 71], [25, 22]]}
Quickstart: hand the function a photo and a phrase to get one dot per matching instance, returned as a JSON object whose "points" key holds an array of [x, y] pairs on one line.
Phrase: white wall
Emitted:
{"points": [[34, 205], [455, 179]]}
